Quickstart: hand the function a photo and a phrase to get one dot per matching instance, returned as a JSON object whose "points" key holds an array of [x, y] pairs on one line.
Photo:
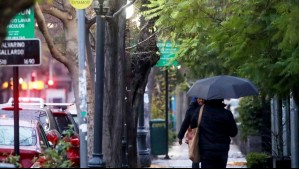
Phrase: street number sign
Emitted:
{"points": [[20, 52]]}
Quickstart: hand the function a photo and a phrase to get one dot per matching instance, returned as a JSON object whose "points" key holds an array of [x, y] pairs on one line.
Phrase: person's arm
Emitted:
{"points": [[185, 125], [186, 122], [232, 125]]}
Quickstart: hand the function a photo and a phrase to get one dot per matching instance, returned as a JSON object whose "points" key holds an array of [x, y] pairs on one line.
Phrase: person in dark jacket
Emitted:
{"points": [[216, 127], [194, 105]]}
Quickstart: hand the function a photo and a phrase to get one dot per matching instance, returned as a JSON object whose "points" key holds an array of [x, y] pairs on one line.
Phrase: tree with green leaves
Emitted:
{"points": [[253, 39]]}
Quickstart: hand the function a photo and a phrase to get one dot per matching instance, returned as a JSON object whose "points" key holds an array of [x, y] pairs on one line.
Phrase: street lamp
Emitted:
{"points": [[101, 8], [144, 153]]}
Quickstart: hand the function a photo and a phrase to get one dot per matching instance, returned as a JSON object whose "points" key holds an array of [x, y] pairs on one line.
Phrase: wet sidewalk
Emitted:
{"points": [[178, 155]]}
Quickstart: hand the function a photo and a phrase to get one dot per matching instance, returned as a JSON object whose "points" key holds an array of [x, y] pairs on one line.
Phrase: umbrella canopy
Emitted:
{"points": [[222, 87]]}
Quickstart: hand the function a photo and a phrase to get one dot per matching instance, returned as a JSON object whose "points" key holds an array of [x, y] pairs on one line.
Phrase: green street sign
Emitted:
{"points": [[22, 25], [166, 62], [168, 53]]}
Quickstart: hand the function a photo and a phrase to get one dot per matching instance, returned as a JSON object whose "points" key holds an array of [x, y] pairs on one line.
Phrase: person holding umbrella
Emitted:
{"points": [[194, 105], [217, 123], [216, 127]]}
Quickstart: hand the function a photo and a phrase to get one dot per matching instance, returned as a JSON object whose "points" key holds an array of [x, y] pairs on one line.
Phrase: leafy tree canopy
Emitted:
{"points": [[255, 39]]}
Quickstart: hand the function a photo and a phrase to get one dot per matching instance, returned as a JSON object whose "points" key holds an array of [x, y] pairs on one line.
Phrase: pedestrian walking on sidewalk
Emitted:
{"points": [[216, 127], [194, 105]]}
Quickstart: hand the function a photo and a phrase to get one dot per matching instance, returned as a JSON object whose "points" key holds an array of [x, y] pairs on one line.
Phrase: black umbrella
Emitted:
{"points": [[222, 87]]}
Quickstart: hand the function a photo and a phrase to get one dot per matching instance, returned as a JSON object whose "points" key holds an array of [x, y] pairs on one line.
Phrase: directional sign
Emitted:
{"points": [[22, 25], [25, 52], [168, 52]]}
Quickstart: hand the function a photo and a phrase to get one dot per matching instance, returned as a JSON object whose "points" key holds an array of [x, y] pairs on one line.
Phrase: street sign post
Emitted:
{"points": [[22, 25], [20, 52], [168, 52], [16, 52]]}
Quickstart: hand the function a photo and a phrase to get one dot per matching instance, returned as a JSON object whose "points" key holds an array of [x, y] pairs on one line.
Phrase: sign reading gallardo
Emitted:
{"points": [[20, 52]]}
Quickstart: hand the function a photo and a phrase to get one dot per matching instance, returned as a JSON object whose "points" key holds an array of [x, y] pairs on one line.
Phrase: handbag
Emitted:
{"points": [[194, 154], [189, 135]]}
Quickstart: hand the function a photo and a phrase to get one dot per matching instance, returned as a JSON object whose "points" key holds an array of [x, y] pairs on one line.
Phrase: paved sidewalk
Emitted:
{"points": [[179, 158]]}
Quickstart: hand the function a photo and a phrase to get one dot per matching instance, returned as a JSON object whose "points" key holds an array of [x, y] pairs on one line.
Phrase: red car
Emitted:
{"points": [[33, 140], [54, 122], [64, 120]]}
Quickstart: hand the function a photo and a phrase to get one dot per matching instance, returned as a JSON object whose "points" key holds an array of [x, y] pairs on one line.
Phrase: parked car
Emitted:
{"points": [[44, 116], [33, 140], [53, 122], [28, 101], [64, 120]]}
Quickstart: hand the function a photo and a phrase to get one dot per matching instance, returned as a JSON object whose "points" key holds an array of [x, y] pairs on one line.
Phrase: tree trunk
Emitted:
{"points": [[114, 87], [69, 58], [141, 66]]}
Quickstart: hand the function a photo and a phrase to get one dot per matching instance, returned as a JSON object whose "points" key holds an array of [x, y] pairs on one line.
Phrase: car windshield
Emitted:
{"points": [[39, 115], [27, 136], [62, 121]]}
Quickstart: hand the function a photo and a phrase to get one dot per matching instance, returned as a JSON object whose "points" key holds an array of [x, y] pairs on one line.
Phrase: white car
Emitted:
{"points": [[28, 101]]}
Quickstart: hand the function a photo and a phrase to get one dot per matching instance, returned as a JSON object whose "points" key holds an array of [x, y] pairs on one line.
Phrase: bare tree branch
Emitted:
{"points": [[120, 10], [43, 28], [56, 13], [128, 48]]}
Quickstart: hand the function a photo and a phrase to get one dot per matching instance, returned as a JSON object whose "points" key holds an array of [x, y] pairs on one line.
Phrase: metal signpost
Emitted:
{"points": [[80, 6], [168, 52], [20, 49], [82, 89]]}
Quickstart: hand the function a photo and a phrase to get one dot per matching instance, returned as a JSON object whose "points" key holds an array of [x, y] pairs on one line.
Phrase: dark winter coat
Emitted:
{"points": [[187, 120], [216, 127]]}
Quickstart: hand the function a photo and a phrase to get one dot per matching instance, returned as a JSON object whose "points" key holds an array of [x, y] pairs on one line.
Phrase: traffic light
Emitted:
{"points": [[50, 82], [33, 76]]}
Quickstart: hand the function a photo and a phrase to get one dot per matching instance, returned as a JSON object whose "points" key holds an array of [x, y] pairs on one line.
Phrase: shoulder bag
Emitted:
{"points": [[193, 143]]}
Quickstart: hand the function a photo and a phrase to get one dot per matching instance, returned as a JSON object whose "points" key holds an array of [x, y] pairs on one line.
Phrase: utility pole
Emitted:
{"points": [[166, 112], [16, 110], [82, 89]]}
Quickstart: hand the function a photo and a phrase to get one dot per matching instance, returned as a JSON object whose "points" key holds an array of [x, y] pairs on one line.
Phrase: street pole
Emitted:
{"points": [[16, 110], [166, 111], [144, 153], [97, 156], [82, 89], [294, 133]]}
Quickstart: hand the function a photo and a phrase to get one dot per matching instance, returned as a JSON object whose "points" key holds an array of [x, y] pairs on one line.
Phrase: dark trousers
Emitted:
{"points": [[213, 159], [195, 165]]}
